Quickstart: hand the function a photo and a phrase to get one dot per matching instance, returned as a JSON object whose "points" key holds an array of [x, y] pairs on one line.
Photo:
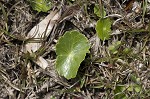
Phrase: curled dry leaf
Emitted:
{"points": [[40, 31]]}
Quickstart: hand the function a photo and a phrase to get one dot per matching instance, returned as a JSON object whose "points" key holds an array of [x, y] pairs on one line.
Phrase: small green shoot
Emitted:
{"points": [[71, 50], [137, 88], [114, 47], [40, 5], [127, 51], [97, 11], [144, 8], [119, 92], [134, 87]]}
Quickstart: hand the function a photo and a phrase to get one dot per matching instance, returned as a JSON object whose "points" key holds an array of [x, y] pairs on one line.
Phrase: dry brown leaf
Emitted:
{"points": [[40, 31]]}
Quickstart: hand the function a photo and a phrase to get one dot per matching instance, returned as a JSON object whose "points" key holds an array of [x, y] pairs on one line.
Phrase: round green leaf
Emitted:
{"points": [[103, 28], [40, 5], [71, 50]]}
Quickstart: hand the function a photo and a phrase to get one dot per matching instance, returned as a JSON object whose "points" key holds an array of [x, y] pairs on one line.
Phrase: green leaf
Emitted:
{"points": [[103, 28], [119, 88], [133, 78], [97, 11], [127, 51], [114, 47], [71, 50], [119, 92], [130, 88], [137, 88], [40, 5], [120, 96]]}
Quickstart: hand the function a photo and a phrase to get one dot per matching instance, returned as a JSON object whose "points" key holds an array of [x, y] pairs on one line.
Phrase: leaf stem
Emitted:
{"points": [[101, 8]]}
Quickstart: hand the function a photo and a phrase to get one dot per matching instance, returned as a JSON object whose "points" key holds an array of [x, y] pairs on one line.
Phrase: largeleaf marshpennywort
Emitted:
{"points": [[103, 28], [71, 50]]}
